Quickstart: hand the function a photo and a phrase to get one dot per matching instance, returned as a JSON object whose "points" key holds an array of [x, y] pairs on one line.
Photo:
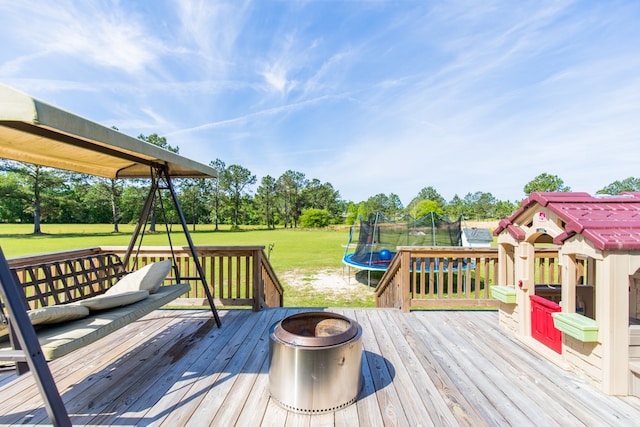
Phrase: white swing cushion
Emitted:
{"points": [[57, 313], [105, 302], [149, 277]]}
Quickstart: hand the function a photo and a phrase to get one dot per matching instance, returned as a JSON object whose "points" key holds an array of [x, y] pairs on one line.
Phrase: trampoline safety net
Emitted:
{"points": [[377, 238]]}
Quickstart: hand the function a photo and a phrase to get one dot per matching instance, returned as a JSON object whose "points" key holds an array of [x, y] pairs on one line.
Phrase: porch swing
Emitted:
{"points": [[35, 132]]}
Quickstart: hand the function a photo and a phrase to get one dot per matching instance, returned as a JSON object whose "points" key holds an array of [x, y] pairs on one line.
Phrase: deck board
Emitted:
{"points": [[538, 408], [382, 374], [446, 403], [440, 368]]}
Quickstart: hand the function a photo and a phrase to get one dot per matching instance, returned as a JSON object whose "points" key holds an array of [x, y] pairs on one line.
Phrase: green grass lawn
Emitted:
{"points": [[306, 251], [292, 248]]}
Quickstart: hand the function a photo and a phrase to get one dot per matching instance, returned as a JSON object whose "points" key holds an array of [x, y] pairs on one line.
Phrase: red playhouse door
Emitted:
{"points": [[542, 327]]}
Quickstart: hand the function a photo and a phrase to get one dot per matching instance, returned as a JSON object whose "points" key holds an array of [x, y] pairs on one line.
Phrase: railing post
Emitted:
{"points": [[258, 287], [405, 279]]}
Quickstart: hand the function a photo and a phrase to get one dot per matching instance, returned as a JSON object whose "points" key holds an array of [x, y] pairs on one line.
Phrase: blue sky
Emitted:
{"points": [[371, 96]]}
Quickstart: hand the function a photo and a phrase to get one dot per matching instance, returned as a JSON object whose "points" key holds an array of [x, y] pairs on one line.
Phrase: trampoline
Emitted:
{"points": [[374, 240]]}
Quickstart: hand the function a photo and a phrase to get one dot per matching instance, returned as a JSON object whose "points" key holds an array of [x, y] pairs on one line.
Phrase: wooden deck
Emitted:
{"points": [[174, 368]]}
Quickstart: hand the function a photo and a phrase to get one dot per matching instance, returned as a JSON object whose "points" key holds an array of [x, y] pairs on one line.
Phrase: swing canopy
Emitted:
{"points": [[35, 132]]}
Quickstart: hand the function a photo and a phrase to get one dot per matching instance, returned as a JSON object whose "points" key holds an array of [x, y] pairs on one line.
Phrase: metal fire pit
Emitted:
{"points": [[316, 362]]}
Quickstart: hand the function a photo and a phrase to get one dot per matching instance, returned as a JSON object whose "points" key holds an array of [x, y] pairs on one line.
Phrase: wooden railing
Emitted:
{"points": [[236, 275], [450, 277], [417, 277], [438, 277]]}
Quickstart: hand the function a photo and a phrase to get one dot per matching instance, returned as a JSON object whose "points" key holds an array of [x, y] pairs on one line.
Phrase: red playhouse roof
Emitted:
{"points": [[609, 222]]}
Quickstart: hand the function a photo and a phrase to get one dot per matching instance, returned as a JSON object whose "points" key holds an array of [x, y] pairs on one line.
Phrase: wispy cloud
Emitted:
{"points": [[100, 34], [209, 31], [283, 109]]}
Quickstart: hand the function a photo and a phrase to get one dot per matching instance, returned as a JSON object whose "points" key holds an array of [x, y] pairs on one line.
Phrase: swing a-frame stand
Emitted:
{"points": [[161, 181]]}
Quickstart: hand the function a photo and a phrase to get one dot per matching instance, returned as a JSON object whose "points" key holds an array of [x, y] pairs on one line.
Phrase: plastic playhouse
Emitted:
{"points": [[569, 284]]}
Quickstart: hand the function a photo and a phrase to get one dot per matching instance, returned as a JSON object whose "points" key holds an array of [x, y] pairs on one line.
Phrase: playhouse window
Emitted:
{"points": [[585, 273], [510, 256], [634, 299], [547, 270]]}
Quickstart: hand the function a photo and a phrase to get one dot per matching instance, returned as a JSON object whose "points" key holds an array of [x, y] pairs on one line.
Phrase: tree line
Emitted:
{"points": [[32, 193]]}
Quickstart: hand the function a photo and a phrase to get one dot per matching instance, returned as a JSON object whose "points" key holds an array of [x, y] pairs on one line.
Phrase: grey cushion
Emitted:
{"points": [[105, 302], [149, 277], [57, 313]]}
